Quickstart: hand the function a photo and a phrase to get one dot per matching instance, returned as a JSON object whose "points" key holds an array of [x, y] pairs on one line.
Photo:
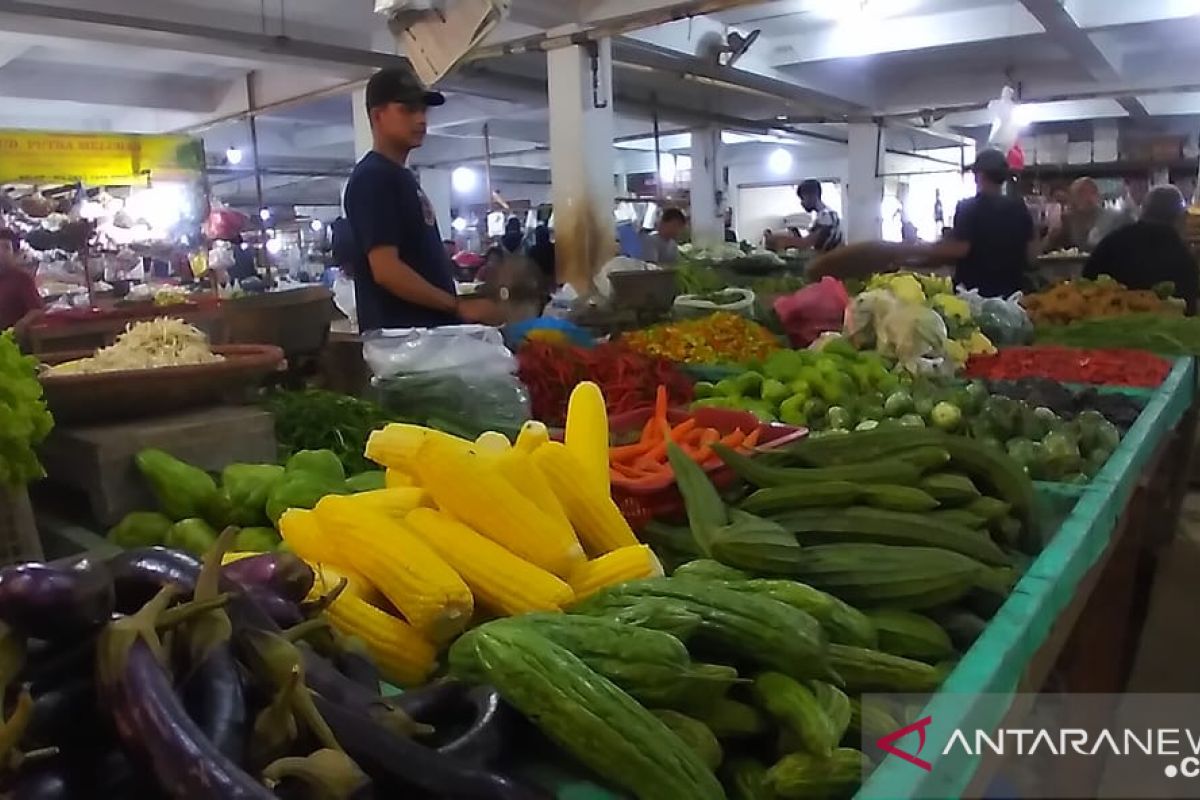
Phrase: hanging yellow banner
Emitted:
{"points": [[96, 158]]}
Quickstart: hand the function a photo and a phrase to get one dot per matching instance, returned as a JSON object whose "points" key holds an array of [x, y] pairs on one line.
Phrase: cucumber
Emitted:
{"points": [[878, 526], [903, 633], [896, 471], [897, 498], [991, 509], [925, 458], [950, 488], [960, 517], [802, 495]]}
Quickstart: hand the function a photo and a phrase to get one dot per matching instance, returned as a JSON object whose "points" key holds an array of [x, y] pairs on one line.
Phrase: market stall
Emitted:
{"points": [[755, 520]]}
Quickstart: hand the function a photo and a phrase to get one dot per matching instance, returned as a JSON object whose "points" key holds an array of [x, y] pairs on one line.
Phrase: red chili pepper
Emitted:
{"points": [[1071, 365]]}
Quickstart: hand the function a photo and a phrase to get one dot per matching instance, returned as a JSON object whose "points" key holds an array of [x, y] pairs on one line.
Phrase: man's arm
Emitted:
{"points": [[390, 272]]}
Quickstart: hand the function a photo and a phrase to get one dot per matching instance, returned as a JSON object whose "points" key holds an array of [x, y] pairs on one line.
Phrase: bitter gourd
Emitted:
{"points": [[874, 576], [695, 734], [801, 776], [872, 671], [903, 633]]}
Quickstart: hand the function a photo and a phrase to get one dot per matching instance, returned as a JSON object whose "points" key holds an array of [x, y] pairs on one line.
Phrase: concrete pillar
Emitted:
{"points": [[582, 159], [864, 190], [362, 124], [708, 215], [437, 185]]}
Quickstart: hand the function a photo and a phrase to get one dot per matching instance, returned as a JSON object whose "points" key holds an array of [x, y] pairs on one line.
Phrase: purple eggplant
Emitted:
{"points": [[214, 697], [66, 715], [154, 727], [139, 574], [399, 765], [60, 600], [282, 573], [489, 726], [51, 664], [323, 677], [48, 780], [283, 611]]}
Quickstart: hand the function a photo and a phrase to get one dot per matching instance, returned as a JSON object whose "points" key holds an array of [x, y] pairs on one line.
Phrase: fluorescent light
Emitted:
{"points": [[264, 214], [274, 246], [1023, 115], [316, 225], [459, 224], [234, 156], [780, 161], [667, 168], [464, 180]]}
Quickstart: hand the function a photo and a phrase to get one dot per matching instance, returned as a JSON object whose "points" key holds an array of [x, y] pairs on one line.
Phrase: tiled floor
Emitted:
{"points": [[1168, 658]]}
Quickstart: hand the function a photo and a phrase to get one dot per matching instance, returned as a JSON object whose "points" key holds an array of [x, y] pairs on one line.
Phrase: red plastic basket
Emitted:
{"points": [[661, 500]]}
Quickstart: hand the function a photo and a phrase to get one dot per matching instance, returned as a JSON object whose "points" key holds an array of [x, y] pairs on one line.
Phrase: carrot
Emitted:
{"points": [[680, 431], [752, 440], [735, 439], [661, 400], [627, 452], [627, 471], [710, 437]]}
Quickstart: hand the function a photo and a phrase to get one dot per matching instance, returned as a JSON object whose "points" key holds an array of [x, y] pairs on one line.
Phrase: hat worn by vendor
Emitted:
{"points": [[400, 86], [992, 163]]}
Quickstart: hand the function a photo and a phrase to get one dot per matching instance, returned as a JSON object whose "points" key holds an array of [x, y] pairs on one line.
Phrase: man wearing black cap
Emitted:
{"points": [[402, 276], [993, 238]]}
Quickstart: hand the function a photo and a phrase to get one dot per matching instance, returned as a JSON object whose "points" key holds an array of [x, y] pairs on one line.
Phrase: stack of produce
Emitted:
{"points": [[1117, 407], [506, 529], [780, 613], [1070, 301], [193, 506], [24, 420], [1072, 365], [643, 462], [628, 379], [161, 342], [1157, 333], [720, 338], [801, 387], [313, 419], [154, 676]]}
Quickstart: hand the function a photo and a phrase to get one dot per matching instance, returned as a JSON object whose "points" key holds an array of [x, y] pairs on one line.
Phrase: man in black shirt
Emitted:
{"points": [[1150, 251], [993, 239], [402, 275]]}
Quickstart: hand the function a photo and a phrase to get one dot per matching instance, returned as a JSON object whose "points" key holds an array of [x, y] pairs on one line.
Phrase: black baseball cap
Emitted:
{"points": [[990, 161], [400, 86]]}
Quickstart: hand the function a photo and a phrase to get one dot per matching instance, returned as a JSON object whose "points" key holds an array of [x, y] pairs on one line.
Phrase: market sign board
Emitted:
{"points": [[96, 158]]}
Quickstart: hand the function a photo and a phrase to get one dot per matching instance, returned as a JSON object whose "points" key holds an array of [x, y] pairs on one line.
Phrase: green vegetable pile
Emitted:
{"points": [[24, 420], [1157, 333], [193, 506], [314, 419]]}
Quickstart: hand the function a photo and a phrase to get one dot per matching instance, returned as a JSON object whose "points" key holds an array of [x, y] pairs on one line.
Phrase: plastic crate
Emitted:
{"points": [[641, 503]]}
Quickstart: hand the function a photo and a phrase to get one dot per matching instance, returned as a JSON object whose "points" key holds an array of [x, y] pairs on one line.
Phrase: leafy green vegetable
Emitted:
{"points": [[24, 420], [314, 419]]}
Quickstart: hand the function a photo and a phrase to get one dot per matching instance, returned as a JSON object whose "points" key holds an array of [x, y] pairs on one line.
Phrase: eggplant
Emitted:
{"points": [[281, 610], [154, 727], [215, 699], [52, 664], [282, 573], [490, 723], [323, 677], [65, 715], [357, 665], [400, 765], [61, 600], [44, 780], [140, 573]]}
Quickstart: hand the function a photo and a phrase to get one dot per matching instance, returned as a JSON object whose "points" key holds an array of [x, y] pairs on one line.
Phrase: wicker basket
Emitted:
{"points": [[18, 533]]}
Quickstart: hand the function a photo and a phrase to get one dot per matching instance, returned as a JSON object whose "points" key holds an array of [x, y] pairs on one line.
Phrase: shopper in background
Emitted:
{"points": [[661, 246], [1152, 250], [542, 254], [513, 240], [20, 302], [402, 275], [824, 235], [243, 260], [1088, 220]]}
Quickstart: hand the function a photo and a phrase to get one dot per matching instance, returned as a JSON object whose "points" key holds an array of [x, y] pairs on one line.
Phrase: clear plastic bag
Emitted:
{"points": [[1003, 320], [460, 378], [740, 302]]}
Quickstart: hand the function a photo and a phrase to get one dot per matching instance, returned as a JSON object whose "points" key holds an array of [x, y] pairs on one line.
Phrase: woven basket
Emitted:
{"points": [[18, 533]]}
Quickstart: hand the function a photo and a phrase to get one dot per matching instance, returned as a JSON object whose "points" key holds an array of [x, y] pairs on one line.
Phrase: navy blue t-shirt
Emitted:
{"points": [[999, 230], [386, 207]]}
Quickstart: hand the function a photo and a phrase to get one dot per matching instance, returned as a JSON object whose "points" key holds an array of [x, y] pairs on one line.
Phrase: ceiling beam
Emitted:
{"points": [[1061, 27]]}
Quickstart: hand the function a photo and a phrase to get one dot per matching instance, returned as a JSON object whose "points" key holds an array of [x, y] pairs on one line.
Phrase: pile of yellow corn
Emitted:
{"points": [[464, 528]]}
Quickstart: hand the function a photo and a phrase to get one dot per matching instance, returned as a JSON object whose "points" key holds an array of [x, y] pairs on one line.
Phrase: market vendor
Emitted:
{"points": [[824, 234], [1151, 251], [402, 275], [1087, 222], [661, 246], [20, 302]]}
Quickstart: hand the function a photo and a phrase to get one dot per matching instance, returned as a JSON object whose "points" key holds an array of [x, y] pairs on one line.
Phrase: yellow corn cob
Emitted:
{"points": [[403, 656], [587, 432], [398, 479], [500, 580], [396, 445], [396, 503], [619, 566], [596, 518], [533, 435], [303, 533], [326, 578], [417, 581], [519, 470], [471, 488], [492, 442]]}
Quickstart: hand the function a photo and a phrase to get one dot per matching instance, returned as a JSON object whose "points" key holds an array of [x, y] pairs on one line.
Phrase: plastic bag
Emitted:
{"points": [[344, 297], [1003, 320], [915, 336], [460, 378], [739, 301], [813, 310], [863, 315]]}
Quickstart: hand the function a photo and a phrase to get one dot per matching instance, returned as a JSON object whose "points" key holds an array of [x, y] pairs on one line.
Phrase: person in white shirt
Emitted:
{"points": [[825, 234]]}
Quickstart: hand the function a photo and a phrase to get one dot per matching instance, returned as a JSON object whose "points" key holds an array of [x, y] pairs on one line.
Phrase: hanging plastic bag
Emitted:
{"points": [[813, 310]]}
